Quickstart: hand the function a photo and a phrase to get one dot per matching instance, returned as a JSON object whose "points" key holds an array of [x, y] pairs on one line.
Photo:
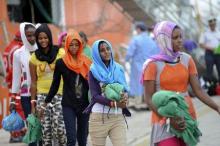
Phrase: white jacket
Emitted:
{"points": [[21, 79]]}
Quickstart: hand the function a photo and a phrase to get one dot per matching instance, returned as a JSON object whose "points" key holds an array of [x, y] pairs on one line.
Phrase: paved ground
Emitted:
{"points": [[139, 127], [209, 124]]}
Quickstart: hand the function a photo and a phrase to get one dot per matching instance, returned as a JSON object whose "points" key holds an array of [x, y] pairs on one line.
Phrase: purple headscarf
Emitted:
{"points": [[163, 36], [189, 45], [60, 38]]}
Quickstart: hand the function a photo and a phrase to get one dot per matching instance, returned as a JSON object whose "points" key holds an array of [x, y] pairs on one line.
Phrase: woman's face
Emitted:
{"points": [[105, 52], [74, 47], [30, 35], [43, 40], [177, 41], [63, 42]]}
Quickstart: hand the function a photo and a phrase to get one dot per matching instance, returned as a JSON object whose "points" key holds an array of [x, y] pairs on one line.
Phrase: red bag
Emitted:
{"points": [[217, 89]]}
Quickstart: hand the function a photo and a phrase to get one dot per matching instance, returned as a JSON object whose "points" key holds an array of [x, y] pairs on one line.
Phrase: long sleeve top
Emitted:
{"points": [[75, 87], [97, 96], [21, 79]]}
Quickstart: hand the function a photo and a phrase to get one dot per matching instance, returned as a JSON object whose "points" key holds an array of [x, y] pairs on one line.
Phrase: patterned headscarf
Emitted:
{"points": [[163, 36]]}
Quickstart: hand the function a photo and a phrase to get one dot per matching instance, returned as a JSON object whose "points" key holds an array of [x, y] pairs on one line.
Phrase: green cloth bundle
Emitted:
{"points": [[34, 132], [171, 104], [113, 91], [217, 50]]}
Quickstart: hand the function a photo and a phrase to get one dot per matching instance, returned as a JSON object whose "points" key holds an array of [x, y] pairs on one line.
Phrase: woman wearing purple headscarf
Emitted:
{"points": [[171, 70]]}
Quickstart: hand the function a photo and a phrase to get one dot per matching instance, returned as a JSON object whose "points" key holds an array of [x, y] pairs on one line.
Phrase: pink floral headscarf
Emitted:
{"points": [[163, 36]]}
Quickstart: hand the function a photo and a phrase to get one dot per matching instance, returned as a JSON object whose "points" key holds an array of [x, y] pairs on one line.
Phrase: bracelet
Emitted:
{"points": [[12, 102], [168, 124], [115, 104], [42, 107], [116, 109], [112, 103], [33, 101]]}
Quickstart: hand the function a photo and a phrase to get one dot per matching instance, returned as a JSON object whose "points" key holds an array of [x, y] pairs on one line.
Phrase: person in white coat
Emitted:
{"points": [[21, 79]]}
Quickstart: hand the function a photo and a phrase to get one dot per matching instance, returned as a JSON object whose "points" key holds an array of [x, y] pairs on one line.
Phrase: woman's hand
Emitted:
{"points": [[41, 110], [33, 110], [124, 95], [178, 123], [12, 105], [122, 103]]}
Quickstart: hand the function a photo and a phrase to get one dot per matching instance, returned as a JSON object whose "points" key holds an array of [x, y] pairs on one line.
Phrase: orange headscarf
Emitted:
{"points": [[82, 63]]}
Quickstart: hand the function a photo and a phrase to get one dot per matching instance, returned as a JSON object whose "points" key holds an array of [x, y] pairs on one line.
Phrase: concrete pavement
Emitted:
{"points": [[139, 127], [209, 124]]}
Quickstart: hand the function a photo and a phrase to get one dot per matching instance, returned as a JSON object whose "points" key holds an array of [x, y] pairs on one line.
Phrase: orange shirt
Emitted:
{"points": [[173, 77]]}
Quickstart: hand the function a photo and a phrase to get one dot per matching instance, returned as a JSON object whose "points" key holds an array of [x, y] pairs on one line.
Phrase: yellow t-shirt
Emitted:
{"points": [[45, 73]]}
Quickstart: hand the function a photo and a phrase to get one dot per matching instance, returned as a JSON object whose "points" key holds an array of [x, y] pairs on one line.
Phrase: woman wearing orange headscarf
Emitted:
{"points": [[73, 68]]}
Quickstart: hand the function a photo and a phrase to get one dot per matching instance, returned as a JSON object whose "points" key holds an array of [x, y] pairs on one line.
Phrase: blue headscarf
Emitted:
{"points": [[114, 73]]}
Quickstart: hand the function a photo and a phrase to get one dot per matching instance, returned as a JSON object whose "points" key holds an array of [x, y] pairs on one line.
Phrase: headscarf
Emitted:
{"points": [[82, 63], [189, 45], [141, 25], [60, 38], [50, 56], [18, 34], [27, 45], [163, 36], [114, 73]]}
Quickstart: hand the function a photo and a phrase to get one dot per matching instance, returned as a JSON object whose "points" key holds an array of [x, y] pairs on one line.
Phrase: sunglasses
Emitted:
{"points": [[212, 20]]}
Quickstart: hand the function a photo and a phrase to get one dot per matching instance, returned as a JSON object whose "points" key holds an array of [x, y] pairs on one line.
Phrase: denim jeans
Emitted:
{"points": [[212, 59], [76, 124]]}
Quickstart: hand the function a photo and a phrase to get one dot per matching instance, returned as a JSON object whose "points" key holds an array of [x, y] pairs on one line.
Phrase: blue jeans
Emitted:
{"points": [[212, 59], [75, 130]]}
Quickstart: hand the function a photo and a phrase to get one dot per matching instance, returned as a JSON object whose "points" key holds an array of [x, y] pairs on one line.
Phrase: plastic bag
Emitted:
{"points": [[13, 122], [34, 132], [217, 50]]}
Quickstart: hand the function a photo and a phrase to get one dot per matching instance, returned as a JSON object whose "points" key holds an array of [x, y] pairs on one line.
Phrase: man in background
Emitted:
{"points": [[140, 48]]}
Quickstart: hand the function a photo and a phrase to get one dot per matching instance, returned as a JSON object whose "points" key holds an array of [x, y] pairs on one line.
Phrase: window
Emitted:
{"points": [[35, 11]]}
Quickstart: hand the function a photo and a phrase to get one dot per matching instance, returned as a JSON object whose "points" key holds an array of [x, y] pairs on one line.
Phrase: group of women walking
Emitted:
{"points": [[62, 79]]}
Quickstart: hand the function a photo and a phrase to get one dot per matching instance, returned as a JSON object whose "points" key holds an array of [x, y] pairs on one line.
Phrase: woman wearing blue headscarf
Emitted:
{"points": [[106, 117]]}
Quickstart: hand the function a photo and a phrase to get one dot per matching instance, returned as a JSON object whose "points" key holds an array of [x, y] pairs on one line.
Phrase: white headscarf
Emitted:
{"points": [[27, 45]]}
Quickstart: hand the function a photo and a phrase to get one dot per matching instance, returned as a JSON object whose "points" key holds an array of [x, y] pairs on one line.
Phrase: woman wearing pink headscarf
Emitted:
{"points": [[62, 39], [171, 70]]}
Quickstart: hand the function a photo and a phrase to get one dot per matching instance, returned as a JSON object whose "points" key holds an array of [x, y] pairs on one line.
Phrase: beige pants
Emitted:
{"points": [[114, 127]]}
